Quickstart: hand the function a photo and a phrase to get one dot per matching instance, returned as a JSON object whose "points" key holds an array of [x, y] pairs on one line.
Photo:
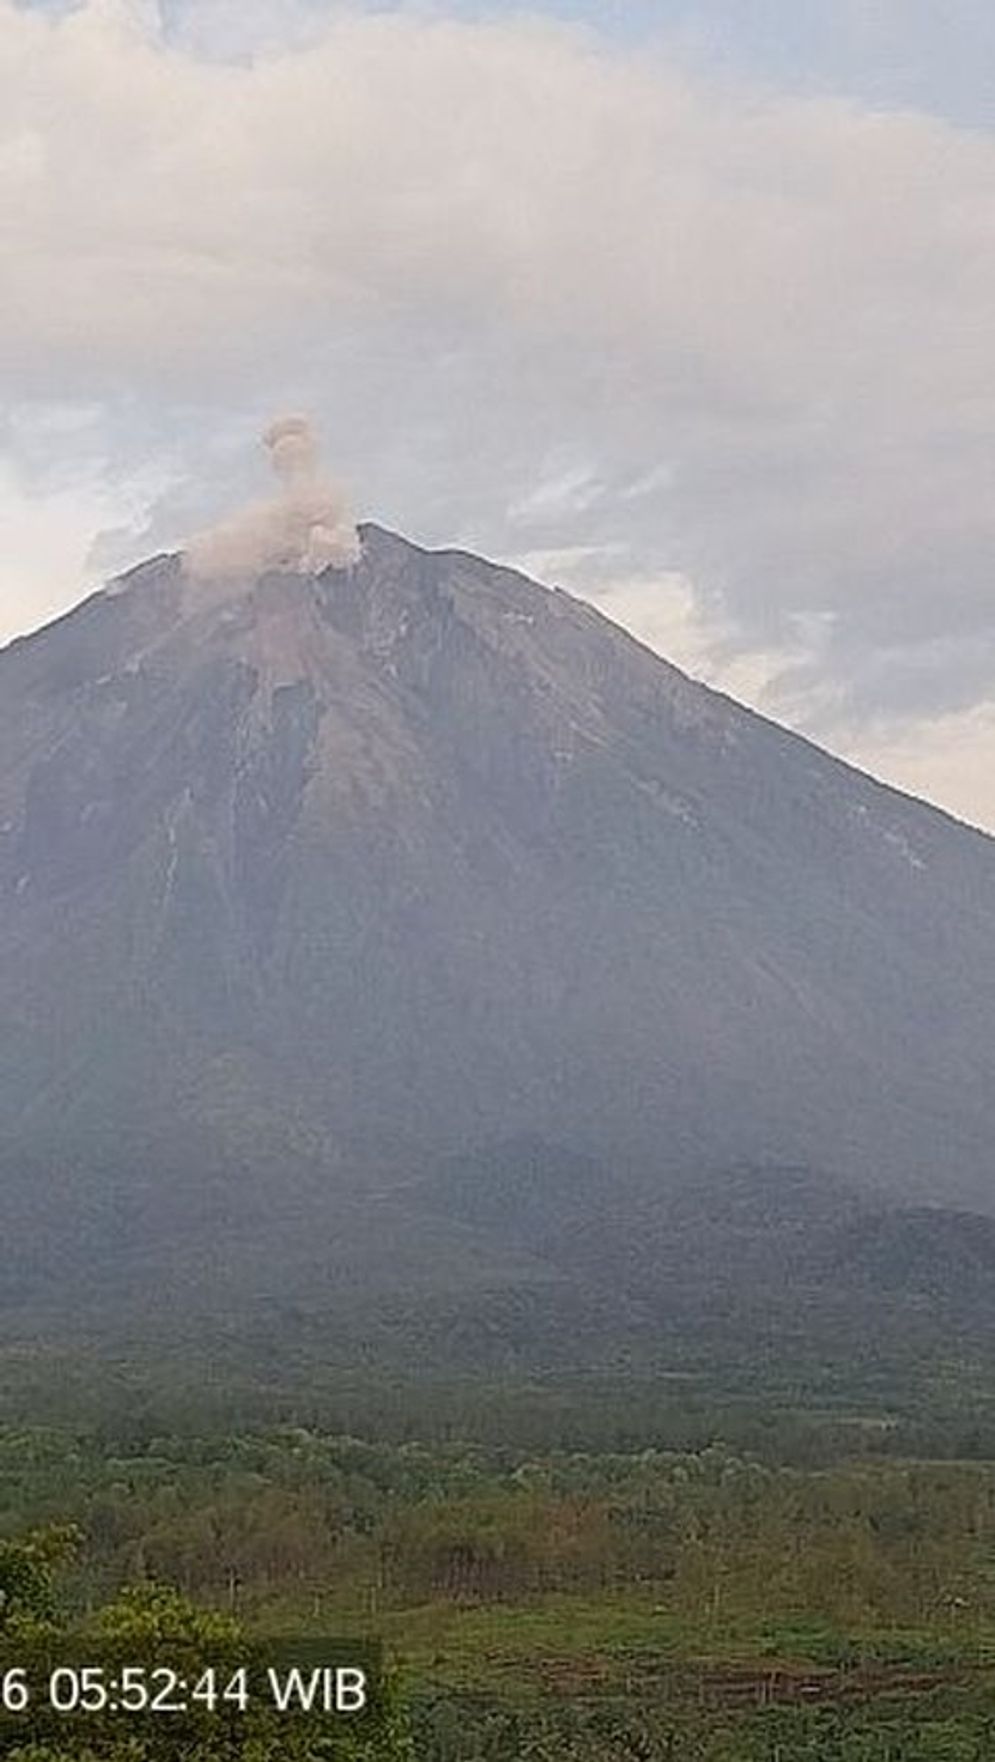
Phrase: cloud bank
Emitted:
{"points": [[558, 296]]}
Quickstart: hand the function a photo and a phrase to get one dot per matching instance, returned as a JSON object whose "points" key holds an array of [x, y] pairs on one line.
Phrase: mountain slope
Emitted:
{"points": [[309, 884]]}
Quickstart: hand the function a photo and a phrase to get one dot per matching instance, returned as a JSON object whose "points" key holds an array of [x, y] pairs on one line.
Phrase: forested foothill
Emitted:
{"points": [[821, 1591]]}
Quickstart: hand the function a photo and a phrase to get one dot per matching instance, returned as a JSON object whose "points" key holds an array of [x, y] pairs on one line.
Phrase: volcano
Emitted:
{"points": [[398, 930]]}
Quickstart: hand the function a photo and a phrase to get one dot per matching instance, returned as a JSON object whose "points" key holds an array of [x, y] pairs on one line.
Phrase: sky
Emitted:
{"points": [[687, 307]]}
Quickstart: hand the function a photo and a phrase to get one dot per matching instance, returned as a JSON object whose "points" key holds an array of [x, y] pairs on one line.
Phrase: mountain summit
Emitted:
{"points": [[312, 884]]}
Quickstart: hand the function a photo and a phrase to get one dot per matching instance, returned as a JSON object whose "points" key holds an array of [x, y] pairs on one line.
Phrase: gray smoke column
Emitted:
{"points": [[305, 528]]}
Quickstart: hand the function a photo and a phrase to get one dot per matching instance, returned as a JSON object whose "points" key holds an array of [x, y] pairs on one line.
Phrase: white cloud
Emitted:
{"points": [[45, 544], [951, 759], [537, 291], [666, 613]]}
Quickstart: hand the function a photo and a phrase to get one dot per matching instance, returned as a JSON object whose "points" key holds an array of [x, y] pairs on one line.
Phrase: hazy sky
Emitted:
{"points": [[690, 307]]}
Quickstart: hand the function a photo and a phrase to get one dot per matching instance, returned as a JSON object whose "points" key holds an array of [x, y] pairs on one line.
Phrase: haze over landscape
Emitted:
{"points": [[497, 880]]}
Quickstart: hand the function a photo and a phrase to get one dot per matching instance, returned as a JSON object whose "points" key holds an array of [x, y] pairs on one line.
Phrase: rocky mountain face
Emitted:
{"points": [[318, 891]]}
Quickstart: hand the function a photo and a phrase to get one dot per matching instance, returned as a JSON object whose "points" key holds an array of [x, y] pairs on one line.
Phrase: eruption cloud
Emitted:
{"points": [[305, 528]]}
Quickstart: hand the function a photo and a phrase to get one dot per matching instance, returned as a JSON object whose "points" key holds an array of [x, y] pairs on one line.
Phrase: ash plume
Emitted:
{"points": [[305, 528]]}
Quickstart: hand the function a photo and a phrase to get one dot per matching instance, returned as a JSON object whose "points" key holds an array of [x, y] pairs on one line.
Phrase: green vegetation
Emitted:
{"points": [[188, 1678], [600, 1605]]}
